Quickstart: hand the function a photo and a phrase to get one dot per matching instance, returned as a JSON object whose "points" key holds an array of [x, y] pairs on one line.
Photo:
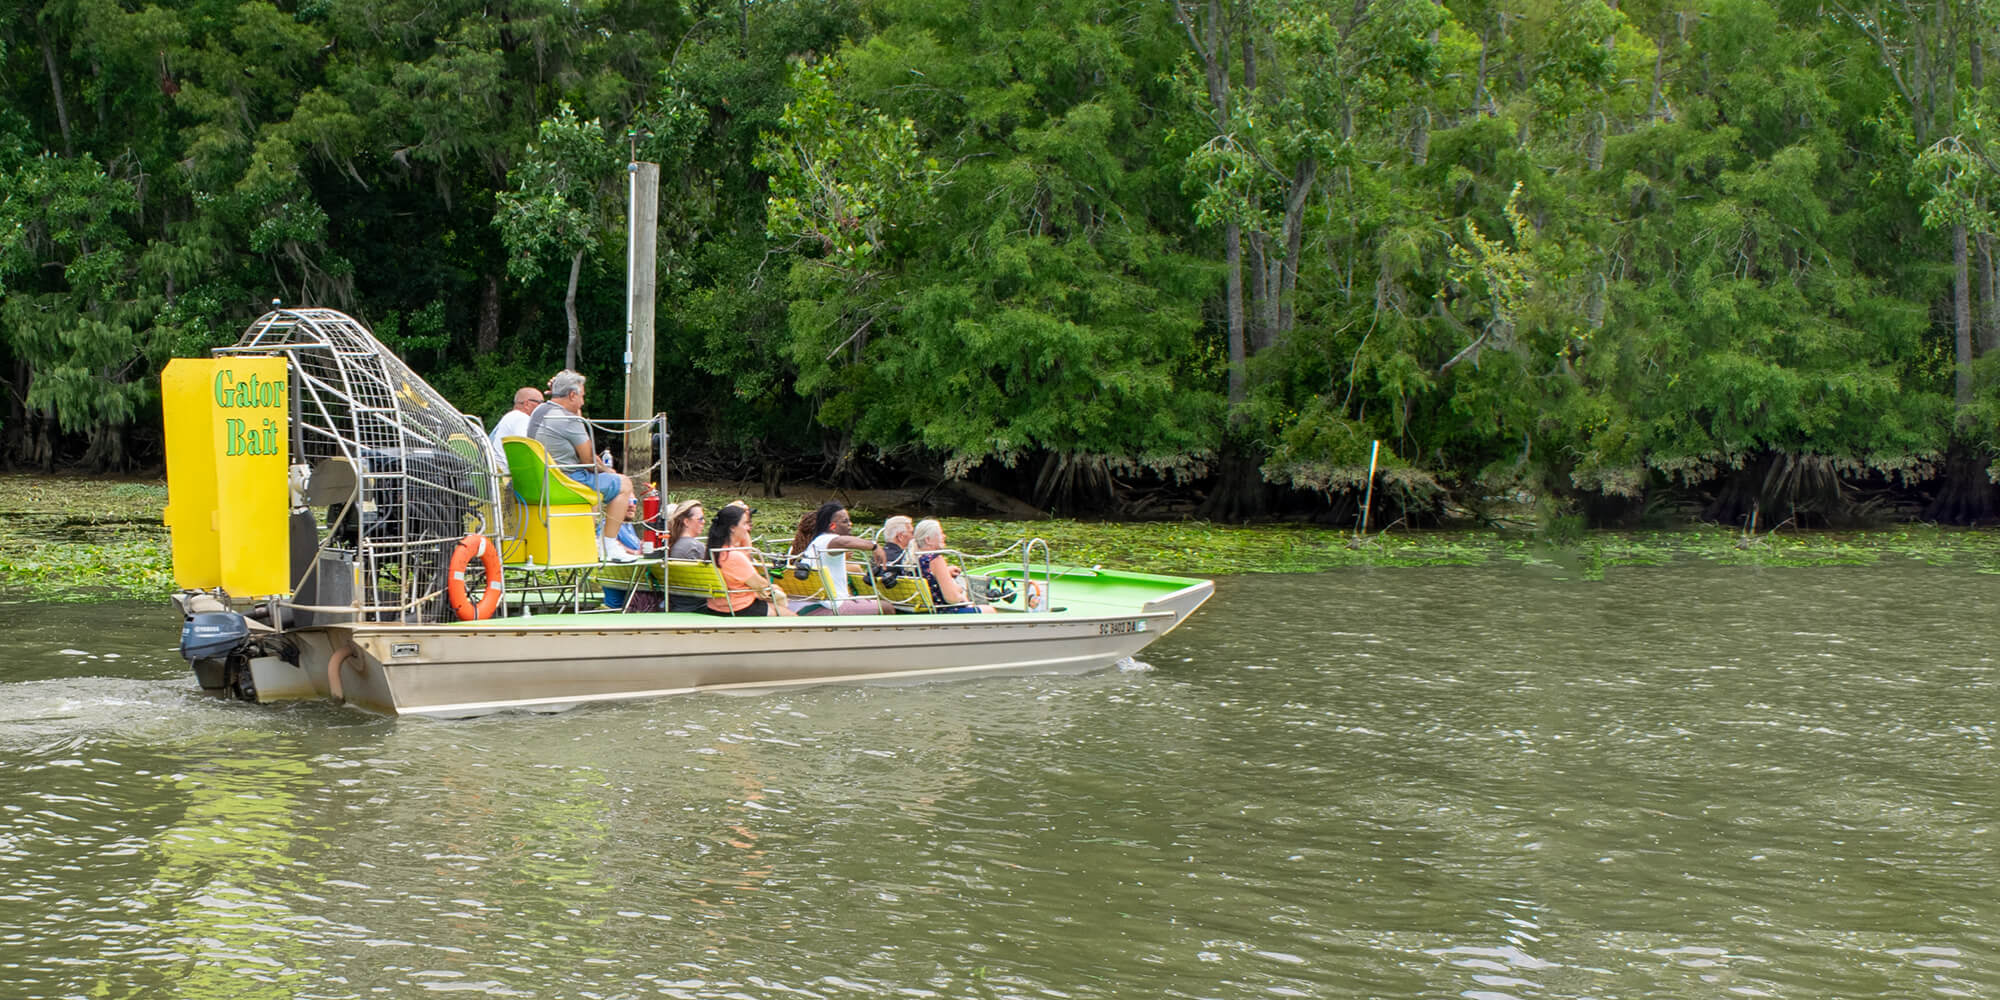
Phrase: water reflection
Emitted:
{"points": [[1484, 783]]}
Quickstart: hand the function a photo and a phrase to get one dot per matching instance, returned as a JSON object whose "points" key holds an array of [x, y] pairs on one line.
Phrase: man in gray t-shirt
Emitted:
{"points": [[558, 424]]}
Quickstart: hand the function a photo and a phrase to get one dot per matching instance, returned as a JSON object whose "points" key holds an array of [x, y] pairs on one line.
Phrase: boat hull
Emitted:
{"points": [[556, 661]]}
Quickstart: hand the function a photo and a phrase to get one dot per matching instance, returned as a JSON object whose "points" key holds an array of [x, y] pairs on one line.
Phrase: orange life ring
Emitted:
{"points": [[489, 558]]}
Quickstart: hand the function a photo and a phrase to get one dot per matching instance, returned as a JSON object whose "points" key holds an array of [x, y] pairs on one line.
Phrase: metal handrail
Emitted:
{"points": [[1048, 573]]}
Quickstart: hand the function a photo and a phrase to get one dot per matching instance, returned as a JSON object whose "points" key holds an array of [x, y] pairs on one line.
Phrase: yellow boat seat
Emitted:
{"points": [[557, 514], [813, 587], [696, 578], [908, 593]]}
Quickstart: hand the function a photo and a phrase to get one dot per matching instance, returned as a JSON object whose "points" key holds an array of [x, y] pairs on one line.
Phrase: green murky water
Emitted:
{"points": [[1486, 783]]}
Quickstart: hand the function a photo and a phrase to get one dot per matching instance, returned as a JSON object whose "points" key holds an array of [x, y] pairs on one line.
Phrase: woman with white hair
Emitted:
{"points": [[948, 594]]}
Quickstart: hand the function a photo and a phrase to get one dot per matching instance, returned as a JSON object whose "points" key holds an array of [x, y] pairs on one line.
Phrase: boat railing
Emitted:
{"points": [[622, 428], [1047, 598], [1026, 546]]}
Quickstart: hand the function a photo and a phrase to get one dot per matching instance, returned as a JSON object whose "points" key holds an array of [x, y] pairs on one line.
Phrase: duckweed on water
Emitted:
{"points": [[70, 539], [86, 539]]}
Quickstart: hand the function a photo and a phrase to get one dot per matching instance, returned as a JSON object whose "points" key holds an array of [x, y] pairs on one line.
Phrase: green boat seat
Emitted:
{"points": [[558, 514]]}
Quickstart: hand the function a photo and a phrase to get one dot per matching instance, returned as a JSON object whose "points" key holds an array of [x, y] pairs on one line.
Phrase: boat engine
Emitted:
{"points": [[217, 645]]}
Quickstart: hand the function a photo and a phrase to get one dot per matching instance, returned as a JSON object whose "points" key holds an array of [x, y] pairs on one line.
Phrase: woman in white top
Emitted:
{"points": [[827, 552]]}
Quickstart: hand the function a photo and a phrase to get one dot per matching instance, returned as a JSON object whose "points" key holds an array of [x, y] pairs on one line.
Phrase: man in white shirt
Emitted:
{"points": [[514, 423], [828, 551]]}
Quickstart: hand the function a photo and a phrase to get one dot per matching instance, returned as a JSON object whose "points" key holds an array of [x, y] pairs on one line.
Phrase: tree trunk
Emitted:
{"points": [[56, 88], [43, 455], [1479, 87], [1989, 304], [1961, 317], [106, 449], [569, 312], [1211, 44], [1262, 309], [1655, 109], [1250, 59], [1240, 491], [1965, 494], [1232, 239], [15, 428], [994, 500], [1295, 218], [489, 316]]}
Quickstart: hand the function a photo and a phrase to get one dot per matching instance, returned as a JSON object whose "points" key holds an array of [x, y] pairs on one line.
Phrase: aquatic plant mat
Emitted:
{"points": [[95, 539], [80, 539]]}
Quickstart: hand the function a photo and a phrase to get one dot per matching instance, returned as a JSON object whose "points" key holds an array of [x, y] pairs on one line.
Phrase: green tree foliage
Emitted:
{"points": [[560, 205], [1580, 248], [74, 312], [997, 277]]}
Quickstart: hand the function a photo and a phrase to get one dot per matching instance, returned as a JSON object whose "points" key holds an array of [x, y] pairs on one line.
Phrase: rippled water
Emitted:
{"points": [[1679, 782]]}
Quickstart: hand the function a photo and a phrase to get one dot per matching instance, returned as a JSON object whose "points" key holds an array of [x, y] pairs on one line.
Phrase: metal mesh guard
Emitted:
{"points": [[425, 472]]}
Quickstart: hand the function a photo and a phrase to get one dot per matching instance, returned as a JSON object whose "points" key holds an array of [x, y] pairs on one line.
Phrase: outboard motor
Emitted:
{"points": [[209, 639]]}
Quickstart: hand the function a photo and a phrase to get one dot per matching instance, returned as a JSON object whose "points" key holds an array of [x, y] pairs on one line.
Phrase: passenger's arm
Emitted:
{"points": [[948, 583], [852, 542], [586, 455], [740, 575]]}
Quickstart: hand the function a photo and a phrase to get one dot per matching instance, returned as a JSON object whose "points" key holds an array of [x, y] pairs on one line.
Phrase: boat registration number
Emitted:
{"points": [[1121, 628]]}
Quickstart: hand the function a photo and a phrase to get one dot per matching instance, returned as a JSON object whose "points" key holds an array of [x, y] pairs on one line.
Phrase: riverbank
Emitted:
{"points": [[94, 539]]}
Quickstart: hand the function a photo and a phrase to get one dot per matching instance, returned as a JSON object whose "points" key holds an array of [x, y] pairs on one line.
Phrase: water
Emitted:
{"points": [[1490, 784]]}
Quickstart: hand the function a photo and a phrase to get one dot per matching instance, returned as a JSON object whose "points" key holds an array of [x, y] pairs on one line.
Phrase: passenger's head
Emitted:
{"points": [[688, 519], [526, 398], [898, 530], [806, 532], [831, 516], [566, 389], [929, 535], [722, 531]]}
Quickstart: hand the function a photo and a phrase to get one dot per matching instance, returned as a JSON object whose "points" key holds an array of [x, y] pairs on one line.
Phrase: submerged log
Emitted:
{"points": [[995, 500]]}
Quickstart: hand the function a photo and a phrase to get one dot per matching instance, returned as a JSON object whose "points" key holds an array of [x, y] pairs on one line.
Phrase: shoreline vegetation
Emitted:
{"points": [[80, 539], [1106, 258]]}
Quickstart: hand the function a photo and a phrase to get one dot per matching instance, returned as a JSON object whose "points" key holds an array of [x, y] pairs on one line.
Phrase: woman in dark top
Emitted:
{"points": [[684, 541], [948, 594]]}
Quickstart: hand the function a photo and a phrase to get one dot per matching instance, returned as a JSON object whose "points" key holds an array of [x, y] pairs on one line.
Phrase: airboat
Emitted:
{"points": [[341, 532]]}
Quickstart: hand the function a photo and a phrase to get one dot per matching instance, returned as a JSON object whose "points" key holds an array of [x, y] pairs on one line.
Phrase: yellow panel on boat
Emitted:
{"points": [[228, 453], [190, 514]]}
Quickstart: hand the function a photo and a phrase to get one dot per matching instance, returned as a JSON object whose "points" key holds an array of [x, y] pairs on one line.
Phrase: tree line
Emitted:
{"points": [[1594, 252]]}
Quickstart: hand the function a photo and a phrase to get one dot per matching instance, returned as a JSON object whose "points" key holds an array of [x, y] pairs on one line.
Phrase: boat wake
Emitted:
{"points": [[39, 713]]}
